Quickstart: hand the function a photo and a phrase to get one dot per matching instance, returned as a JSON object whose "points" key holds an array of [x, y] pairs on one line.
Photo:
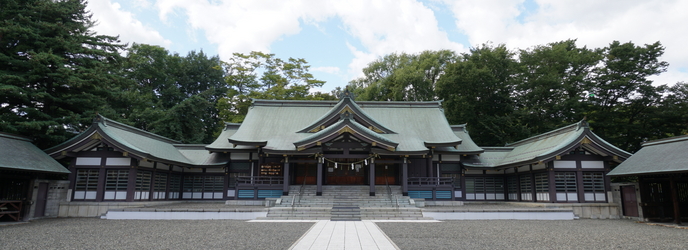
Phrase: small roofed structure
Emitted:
{"points": [[22, 166], [661, 167]]}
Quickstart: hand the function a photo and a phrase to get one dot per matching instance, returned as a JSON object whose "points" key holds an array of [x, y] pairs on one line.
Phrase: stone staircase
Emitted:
{"points": [[345, 203]]}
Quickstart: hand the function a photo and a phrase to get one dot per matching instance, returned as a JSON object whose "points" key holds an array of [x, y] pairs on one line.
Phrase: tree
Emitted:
{"points": [[624, 99], [403, 77], [478, 91], [55, 73], [264, 76], [172, 95], [554, 84]]}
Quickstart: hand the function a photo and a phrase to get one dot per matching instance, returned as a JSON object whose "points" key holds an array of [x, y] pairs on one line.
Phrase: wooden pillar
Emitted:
{"points": [[285, 173], [318, 191], [551, 181], [674, 200], [151, 190], [371, 176], [518, 184], [404, 177], [100, 190], [131, 184]]}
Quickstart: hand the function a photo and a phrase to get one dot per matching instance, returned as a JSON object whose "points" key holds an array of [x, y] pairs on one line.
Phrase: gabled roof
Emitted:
{"points": [[349, 106], [664, 156], [18, 153], [135, 142], [275, 125], [346, 124], [545, 147]]}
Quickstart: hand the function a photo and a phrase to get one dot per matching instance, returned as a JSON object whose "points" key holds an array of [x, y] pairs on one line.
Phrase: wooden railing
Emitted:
{"points": [[431, 181], [11, 208], [259, 180]]}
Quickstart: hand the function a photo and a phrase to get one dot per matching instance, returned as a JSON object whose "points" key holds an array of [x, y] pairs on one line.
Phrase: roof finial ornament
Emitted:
{"points": [[346, 94]]}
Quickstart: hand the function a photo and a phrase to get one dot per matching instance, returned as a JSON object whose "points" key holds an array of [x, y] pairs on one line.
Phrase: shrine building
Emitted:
{"points": [[344, 143]]}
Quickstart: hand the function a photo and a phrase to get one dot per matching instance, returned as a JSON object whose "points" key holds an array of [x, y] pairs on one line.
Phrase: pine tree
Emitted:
{"points": [[55, 73]]}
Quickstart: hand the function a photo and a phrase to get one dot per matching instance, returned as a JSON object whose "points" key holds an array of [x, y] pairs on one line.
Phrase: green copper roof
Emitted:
{"points": [[134, 141], [276, 125], [663, 156], [544, 147], [349, 125], [18, 153], [347, 105]]}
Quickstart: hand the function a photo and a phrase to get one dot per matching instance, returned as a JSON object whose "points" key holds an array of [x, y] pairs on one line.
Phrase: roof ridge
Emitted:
{"points": [[15, 137], [266, 102], [106, 122], [665, 140], [576, 125]]}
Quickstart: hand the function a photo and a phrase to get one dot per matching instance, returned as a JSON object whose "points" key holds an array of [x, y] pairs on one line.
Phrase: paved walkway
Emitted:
{"points": [[344, 235]]}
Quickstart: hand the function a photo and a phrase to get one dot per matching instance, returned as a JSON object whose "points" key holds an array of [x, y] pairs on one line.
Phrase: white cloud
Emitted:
{"points": [[594, 23], [113, 21], [381, 27], [329, 70]]}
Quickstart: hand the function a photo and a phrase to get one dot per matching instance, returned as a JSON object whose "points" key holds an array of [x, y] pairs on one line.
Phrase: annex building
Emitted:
{"points": [[342, 143]]}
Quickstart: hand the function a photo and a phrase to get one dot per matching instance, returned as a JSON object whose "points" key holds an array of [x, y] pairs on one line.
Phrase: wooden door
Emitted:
{"points": [[41, 200], [630, 202]]}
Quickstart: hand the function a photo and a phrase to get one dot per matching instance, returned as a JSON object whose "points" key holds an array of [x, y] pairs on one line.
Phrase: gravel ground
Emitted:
{"points": [[91, 233], [503, 234]]}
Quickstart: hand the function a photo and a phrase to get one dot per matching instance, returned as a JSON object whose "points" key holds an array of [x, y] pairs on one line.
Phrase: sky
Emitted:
{"points": [[339, 38]]}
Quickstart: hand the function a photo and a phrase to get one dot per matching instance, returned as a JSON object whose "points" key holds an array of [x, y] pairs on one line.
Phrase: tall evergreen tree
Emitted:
{"points": [[172, 95], [478, 90], [55, 73]]}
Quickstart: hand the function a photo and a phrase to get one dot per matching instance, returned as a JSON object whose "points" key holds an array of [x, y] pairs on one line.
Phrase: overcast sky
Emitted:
{"points": [[339, 38]]}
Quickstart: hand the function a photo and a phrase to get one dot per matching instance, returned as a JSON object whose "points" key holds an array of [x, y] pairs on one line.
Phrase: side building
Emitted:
{"points": [[31, 183], [661, 193], [342, 143]]}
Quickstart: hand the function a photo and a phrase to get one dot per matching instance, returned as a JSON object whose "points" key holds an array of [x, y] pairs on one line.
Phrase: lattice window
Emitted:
{"points": [[593, 186], [485, 188], [116, 182], [566, 188], [160, 186], [86, 184], [541, 187], [175, 186], [143, 185], [526, 187], [512, 187]]}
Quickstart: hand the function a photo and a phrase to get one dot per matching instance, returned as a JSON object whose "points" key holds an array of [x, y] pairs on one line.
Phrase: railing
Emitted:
{"points": [[259, 180], [389, 193], [431, 181], [300, 194]]}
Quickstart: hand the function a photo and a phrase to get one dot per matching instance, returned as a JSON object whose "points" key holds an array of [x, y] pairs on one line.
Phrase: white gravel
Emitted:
{"points": [[514, 234], [91, 233]]}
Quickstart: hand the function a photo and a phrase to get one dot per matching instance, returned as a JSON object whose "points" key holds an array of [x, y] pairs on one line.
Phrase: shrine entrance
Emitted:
{"points": [[345, 172]]}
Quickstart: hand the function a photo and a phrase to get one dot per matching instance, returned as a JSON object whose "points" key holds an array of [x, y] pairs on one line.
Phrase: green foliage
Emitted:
{"points": [[55, 73], [403, 77], [553, 85], [504, 96], [478, 91], [263, 76], [171, 95]]}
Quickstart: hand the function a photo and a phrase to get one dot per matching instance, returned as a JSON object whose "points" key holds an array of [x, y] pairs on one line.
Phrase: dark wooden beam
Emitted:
{"points": [[674, 200]]}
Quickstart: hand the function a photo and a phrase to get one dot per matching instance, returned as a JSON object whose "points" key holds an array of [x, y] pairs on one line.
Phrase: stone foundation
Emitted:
{"points": [[582, 210], [97, 209]]}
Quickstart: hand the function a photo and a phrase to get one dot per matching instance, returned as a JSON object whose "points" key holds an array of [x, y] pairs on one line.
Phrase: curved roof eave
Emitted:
{"points": [[345, 125], [344, 104], [248, 143]]}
